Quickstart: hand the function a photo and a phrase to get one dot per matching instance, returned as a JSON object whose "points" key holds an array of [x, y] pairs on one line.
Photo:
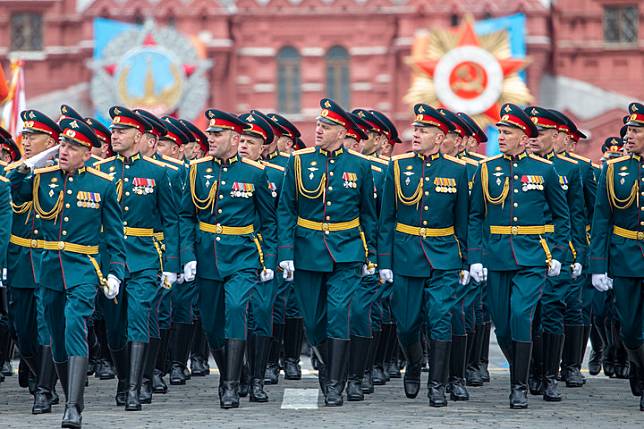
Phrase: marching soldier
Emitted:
{"points": [[8, 152], [423, 248], [40, 133], [227, 195], [76, 205], [328, 215], [148, 205], [511, 197], [618, 231]]}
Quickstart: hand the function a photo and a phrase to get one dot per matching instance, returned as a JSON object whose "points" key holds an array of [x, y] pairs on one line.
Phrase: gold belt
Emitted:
{"points": [[70, 247], [328, 226], [138, 232], [226, 230], [627, 233], [26, 242], [425, 232], [160, 236], [549, 228], [518, 230]]}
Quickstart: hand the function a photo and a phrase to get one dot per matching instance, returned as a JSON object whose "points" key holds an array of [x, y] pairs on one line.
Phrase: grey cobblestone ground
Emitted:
{"points": [[601, 403]]}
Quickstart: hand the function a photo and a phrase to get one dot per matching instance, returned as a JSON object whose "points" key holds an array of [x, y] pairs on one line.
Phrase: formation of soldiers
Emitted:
{"points": [[150, 242]]}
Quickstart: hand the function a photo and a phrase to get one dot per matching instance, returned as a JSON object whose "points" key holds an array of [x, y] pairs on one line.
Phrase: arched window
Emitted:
{"points": [[337, 75], [288, 80]]}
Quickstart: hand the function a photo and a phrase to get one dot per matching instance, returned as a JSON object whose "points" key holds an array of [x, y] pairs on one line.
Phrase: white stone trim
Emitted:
{"points": [[312, 87], [256, 51], [264, 87], [361, 86], [383, 78], [243, 79], [368, 50], [312, 52]]}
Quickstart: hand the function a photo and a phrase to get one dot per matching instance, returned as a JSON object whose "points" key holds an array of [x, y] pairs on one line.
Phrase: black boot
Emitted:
{"points": [[321, 353], [367, 379], [160, 367], [552, 351], [338, 351], [293, 337], [198, 358], [378, 373], [621, 355], [234, 352], [121, 361], [439, 372], [105, 366], [94, 349], [414, 356], [597, 342], [392, 369], [457, 389], [151, 354], [272, 372], [485, 352], [473, 373], [358, 357], [574, 338], [62, 371], [519, 369], [260, 355], [582, 352], [220, 359], [46, 382], [180, 351], [137, 361], [244, 379], [636, 373], [608, 362], [75, 386], [536, 376]]}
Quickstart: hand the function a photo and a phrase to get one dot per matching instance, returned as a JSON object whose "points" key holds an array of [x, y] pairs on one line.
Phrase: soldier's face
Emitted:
{"points": [[251, 147], [387, 149], [5, 156], [222, 144], [148, 144], [451, 144], [34, 143], [472, 144], [285, 144], [328, 136], [105, 150], [372, 144], [560, 141], [126, 140], [351, 143], [512, 140], [544, 143], [168, 148], [71, 156], [635, 140], [427, 140], [98, 151], [192, 150]]}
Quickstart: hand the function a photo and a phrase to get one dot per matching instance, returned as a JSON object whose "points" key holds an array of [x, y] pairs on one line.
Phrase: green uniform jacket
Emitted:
{"points": [[619, 204], [329, 188], [427, 193], [278, 158], [531, 187], [379, 171], [233, 193], [81, 206], [147, 201], [5, 219], [570, 182]]}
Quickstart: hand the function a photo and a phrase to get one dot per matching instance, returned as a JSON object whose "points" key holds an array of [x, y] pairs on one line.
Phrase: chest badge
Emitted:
{"points": [[143, 186], [208, 177], [350, 179], [563, 181]]}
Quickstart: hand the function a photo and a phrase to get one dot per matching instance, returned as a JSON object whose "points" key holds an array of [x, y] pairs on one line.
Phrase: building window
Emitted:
{"points": [[620, 23], [337, 75], [454, 20], [288, 80], [26, 31]]}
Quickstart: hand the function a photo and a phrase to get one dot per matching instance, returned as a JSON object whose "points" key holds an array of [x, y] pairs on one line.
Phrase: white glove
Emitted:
{"points": [[289, 269], [610, 283], [180, 279], [190, 271], [464, 277], [266, 275], [554, 269], [386, 276], [366, 271], [478, 273], [601, 282], [168, 279], [42, 158], [4, 274], [113, 286], [577, 268]]}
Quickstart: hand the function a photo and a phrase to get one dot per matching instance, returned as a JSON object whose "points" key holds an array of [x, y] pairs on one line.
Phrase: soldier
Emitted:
{"points": [[328, 215], [288, 325], [40, 133], [148, 205], [553, 300], [104, 137], [419, 250], [8, 153], [511, 196], [227, 196], [617, 231], [76, 205]]}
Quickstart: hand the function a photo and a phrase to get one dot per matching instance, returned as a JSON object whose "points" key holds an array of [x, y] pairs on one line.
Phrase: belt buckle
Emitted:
{"points": [[640, 235], [219, 229], [514, 230], [325, 227], [34, 243], [61, 245], [422, 232]]}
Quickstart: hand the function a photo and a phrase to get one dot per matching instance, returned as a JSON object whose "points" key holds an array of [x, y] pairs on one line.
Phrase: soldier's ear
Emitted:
{"points": [[342, 133]]}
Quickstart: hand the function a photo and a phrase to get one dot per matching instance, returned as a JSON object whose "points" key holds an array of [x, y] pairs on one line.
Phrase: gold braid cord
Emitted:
{"points": [[620, 204], [301, 190], [205, 203], [119, 190], [23, 208], [58, 206], [500, 199], [415, 197]]}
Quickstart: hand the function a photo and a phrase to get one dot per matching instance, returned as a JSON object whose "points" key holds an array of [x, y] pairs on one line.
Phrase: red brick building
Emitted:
{"points": [[586, 56]]}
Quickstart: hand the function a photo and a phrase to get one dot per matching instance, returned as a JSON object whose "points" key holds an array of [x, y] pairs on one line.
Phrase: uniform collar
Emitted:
{"points": [[128, 160], [78, 172], [228, 161], [522, 155], [431, 157], [273, 154], [332, 154], [550, 155]]}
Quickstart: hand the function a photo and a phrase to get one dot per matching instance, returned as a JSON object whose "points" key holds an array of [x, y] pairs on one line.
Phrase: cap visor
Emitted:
{"points": [[214, 129], [634, 124], [119, 126], [328, 121]]}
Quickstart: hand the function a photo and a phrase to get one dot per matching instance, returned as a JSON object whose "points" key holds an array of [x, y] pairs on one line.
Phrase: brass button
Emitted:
{"points": [[219, 210], [218, 238], [126, 208], [64, 232], [38, 216], [124, 222], [69, 192], [516, 204], [66, 219], [328, 203], [426, 179], [127, 193], [515, 219], [225, 169], [426, 192], [35, 231], [515, 230], [328, 218], [424, 222], [127, 167], [223, 182], [516, 191], [126, 180], [221, 197], [330, 188], [34, 243], [426, 208], [61, 245], [422, 232], [515, 177], [332, 161], [515, 165], [330, 173], [219, 229], [640, 236], [67, 205]]}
